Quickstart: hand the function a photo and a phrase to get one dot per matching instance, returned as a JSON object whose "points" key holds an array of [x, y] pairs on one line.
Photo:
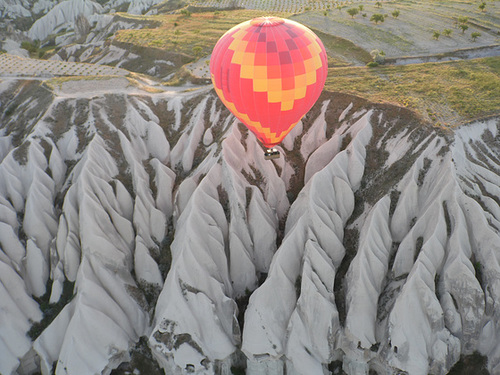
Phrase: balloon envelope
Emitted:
{"points": [[269, 72]]}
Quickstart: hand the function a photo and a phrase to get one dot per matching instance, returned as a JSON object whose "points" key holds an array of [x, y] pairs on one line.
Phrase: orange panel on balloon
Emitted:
{"points": [[269, 72]]}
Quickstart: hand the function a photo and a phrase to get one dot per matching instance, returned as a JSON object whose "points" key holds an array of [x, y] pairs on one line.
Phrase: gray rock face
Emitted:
{"points": [[126, 214], [62, 15]]}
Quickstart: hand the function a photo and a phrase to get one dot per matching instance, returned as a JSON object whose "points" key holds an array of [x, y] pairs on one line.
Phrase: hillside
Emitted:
{"points": [[194, 213], [142, 231]]}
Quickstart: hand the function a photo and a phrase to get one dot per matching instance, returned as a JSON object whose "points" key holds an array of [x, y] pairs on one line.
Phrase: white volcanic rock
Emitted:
{"points": [[146, 269], [43, 6], [196, 322], [288, 142], [366, 276], [164, 182], [63, 14], [251, 243], [262, 224], [191, 139], [195, 317], [440, 263], [325, 152], [95, 244], [39, 221], [8, 214], [5, 142], [462, 298], [99, 324], [37, 269], [322, 156], [24, 8], [95, 247], [388, 259], [20, 311], [13, 250], [141, 6], [277, 320], [11, 185], [196, 312], [474, 154], [14, 48], [14, 8], [57, 167], [316, 134]]}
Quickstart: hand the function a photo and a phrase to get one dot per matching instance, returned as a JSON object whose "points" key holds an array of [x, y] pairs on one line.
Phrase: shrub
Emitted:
{"points": [[197, 50], [395, 13], [378, 56], [31, 47], [51, 310], [352, 12], [475, 35], [377, 17]]}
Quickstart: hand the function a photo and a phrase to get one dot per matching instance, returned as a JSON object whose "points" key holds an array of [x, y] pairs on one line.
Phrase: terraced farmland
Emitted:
{"points": [[11, 65], [489, 17], [291, 6]]}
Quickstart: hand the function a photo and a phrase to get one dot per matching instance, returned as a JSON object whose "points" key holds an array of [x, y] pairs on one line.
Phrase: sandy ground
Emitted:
{"points": [[94, 86], [200, 68]]}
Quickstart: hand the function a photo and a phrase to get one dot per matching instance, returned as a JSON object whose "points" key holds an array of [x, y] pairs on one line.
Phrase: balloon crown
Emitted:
{"points": [[267, 21]]}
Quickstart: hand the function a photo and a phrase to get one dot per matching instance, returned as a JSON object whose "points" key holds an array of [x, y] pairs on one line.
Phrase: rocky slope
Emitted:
{"points": [[69, 8], [81, 29], [128, 216]]}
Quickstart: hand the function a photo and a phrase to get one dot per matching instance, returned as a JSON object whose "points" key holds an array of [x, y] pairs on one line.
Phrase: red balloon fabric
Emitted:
{"points": [[269, 72]]}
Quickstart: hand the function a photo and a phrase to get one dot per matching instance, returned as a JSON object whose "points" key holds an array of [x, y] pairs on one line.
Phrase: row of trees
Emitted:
{"points": [[377, 17], [447, 32], [461, 23]]}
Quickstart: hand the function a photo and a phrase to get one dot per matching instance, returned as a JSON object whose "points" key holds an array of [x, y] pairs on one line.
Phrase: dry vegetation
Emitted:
{"points": [[194, 34], [446, 94]]}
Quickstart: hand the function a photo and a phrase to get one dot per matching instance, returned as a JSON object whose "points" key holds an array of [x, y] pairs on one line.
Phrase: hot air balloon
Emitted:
{"points": [[269, 72]]}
